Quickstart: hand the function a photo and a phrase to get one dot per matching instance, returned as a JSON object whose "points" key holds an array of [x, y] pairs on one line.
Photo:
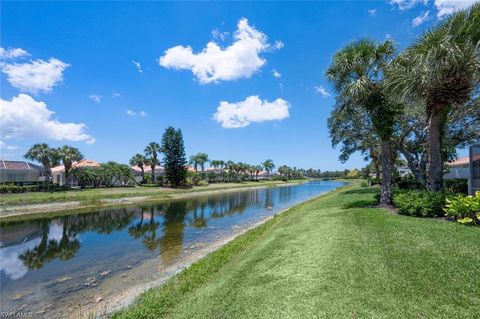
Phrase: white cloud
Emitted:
{"points": [[276, 74], [23, 117], [372, 12], [446, 7], [138, 66], [250, 110], [5, 146], [406, 4], [116, 94], [241, 59], [12, 53], [278, 45], [420, 19], [95, 98], [219, 35], [320, 89], [134, 113], [36, 75]]}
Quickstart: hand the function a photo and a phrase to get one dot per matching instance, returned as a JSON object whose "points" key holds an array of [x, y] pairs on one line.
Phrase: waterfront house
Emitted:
{"points": [[58, 172], [20, 172]]}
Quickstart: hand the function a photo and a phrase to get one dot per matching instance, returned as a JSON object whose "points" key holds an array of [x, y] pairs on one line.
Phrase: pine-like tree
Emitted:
{"points": [[174, 157]]}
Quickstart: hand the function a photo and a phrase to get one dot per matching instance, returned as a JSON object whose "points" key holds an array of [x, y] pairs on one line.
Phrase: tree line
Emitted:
{"points": [[422, 103]]}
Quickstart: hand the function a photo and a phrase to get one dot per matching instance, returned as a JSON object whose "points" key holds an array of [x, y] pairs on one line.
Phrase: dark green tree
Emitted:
{"points": [[174, 157]]}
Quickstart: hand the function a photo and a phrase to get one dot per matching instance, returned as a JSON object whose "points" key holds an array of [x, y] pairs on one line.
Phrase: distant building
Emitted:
{"points": [[137, 172], [460, 168], [20, 172], [58, 172], [404, 171]]}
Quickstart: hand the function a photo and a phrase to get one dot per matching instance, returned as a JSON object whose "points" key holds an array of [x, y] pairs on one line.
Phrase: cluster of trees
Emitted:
{"points": [[51, 157], [422, 103], [174, 158]]}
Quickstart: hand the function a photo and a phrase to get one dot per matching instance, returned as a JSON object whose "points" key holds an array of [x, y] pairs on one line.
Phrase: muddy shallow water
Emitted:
{"points": [[79, 264]]}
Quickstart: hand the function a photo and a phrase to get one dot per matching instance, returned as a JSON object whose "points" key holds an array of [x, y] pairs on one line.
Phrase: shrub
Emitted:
{"points": [[364, 184], [409, 182], [419, 203], [18, 189], [456, 186], [464, 209]]}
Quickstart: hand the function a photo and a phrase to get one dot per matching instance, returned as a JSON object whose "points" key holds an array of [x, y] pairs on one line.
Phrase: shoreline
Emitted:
{"points": [[122, 300], [52, 209]]}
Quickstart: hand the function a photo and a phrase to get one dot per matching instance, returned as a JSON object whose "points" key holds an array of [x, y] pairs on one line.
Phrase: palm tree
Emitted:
{"points": [[194, 161], [440, 70], [201, 159], [139, 160], [45, 155], [68, 155], [151, 152], [268, 166], [357, 75]]}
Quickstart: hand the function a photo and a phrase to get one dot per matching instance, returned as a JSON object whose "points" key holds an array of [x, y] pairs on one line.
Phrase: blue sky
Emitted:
{"points": [[106, 66]]}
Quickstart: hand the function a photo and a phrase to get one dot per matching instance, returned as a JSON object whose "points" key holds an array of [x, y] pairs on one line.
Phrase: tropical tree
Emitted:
{"points": [[440, 71], [68, 155], [151, 152], [268, 166], [174, 157], [140, 161], [357, 75], [45, 155]]}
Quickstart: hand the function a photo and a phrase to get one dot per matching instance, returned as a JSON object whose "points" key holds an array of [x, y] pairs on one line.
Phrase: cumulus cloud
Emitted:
{"points": [[219, 35], [372, 12], [406, 4], [250, 110], [420, 19], [138, 66], [23, 117], [116, 94], [241, 59], [322, 91], [95, 98], [278, 45], [12, 53], [446, 7], [276, 74], [36, 75]]}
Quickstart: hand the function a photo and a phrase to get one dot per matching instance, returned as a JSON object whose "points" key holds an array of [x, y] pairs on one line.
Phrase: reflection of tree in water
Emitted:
{"points": [[196, 211], [49, 249]]}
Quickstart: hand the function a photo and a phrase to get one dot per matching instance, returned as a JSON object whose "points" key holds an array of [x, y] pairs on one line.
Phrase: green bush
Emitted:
{"points": [[456, 186], [419, 203], [364, 184], [18, 189], [464, 209]]}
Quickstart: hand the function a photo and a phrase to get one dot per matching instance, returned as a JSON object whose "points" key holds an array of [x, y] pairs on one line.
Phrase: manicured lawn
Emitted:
{"points": [[331, 257], [89, 195]]}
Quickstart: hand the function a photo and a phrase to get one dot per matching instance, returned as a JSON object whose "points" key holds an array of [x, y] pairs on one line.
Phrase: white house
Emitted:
{"points": [[460, 168], [58, 172]]}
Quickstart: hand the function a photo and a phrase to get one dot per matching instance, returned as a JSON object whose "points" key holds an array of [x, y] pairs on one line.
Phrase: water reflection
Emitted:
{"points": [[37, 253]]}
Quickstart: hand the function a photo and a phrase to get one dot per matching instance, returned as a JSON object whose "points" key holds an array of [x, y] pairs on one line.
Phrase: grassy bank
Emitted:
{"points": [[330, 257], [88, 196]]}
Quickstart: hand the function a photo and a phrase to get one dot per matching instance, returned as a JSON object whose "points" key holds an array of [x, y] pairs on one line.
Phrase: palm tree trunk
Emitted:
{"points": [[434, 153], [153, 173], [387, 168]]}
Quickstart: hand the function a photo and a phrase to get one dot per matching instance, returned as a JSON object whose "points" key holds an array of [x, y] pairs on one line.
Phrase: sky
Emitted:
{"points": [[244, 81]]}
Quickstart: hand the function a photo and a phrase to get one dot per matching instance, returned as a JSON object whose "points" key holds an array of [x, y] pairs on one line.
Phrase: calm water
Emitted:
{"points": [[56, 266]]}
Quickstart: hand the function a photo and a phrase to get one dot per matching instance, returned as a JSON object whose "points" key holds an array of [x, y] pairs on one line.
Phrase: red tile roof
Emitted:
{"points": [[461, 161], [82, 163]]}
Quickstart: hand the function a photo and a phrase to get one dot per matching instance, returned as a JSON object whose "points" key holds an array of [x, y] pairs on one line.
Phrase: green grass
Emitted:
{"points": [[331, 257], [90, 196]]}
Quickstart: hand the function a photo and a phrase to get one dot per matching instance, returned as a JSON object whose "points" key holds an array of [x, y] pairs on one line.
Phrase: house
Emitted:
{"points": [[20, 172], [404, 171], [137, 172], [460, 168], [58, 172]]}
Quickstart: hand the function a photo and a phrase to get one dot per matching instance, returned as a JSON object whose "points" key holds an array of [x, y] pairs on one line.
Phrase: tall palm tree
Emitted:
{"points": [[194, 161], [45, 155], [268, 166], [202, 159], [440, 70], [140, 161], [151, 152], [357, 75], [68, 155]]}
